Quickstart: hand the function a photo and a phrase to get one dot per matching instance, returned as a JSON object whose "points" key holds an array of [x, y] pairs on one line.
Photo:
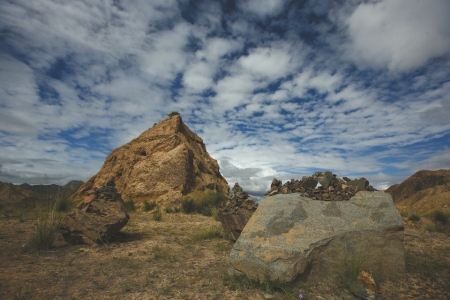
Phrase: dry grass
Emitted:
{"points": [[183, 256]]}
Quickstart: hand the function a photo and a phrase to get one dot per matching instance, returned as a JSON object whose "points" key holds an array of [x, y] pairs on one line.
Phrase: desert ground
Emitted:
{"points": [[184, 256]]}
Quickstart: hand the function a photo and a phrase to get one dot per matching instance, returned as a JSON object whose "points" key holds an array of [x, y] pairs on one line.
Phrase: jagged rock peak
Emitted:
{"points": [[163, 164]]}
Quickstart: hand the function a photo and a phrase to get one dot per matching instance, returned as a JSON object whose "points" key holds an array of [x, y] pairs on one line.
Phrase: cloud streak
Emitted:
{"points": [[279, 89]]}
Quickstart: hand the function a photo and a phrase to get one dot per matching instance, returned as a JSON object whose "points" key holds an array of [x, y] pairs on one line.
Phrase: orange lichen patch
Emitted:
{"points": [[254, 224], [241, 253], [354, 223], [89, 199], [269, 256], [369, 283], [292, 235], [259, 239]]}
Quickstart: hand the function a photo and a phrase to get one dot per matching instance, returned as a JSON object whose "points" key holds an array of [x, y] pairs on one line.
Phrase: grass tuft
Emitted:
{"points": [[414, 217], [46, 230], [188, 205], [205, 203], [350, 270], [149, 205], [210, 233], [242, 282], [129, 205], [157, 215], [63, 204]]}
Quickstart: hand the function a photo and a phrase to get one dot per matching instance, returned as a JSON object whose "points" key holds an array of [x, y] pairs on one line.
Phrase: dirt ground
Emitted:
{"points": [[163, 260]]}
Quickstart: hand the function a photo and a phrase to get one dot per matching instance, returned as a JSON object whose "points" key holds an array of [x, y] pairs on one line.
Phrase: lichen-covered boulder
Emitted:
{"points": [[290, 236]]}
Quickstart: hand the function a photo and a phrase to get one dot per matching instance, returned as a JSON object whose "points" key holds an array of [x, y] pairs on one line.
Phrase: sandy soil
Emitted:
{"points": [[163, 260]]}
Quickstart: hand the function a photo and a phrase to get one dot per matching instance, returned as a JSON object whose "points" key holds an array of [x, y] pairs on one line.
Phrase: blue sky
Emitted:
{"points": [[275, 88]]}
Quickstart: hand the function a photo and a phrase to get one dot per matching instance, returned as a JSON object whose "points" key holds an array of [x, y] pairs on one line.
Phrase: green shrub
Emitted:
{"points": [[157, 215], [404, 214], [174, 113], [414, 217], [188, 205], [129, 205], [440, 217], [149, 205]]}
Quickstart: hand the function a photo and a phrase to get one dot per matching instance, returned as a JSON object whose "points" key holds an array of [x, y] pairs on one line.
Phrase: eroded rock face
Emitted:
{"points": [[236, 211], [97, 218], [290, 236], [163, 164]]}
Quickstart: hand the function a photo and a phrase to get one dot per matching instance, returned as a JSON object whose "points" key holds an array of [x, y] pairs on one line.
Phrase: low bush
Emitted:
{"points": [[129, 205], [188, 205], [157, 215], [414, 217], [149, 205], [440, 217], [174, 113]]}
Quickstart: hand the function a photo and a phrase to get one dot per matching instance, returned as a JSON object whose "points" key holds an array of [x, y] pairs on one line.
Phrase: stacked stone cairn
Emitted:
{"points": [[321, 186], [236, 211], [97, 218]]}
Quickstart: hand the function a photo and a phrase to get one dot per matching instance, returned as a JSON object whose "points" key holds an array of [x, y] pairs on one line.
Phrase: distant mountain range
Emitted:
{"points": [[423, 192], [30, 195]]}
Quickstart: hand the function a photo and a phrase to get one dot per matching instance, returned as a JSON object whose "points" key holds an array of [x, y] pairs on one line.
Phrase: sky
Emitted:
{"points": [[275, 88]]}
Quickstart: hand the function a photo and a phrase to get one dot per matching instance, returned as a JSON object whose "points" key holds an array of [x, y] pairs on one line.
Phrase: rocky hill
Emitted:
{"points": [[31, 194], [163, 164], [423, 192]]}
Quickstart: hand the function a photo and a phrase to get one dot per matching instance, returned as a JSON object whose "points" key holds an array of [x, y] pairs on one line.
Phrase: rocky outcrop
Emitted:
{"points": [[423, 193], [236, 211], [421, 180], [321, 186], [163, 164], [97, 218], [290, 236]]}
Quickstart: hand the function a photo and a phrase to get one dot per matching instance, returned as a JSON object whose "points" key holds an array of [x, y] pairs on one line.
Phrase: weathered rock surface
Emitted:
{"points": [[290, 236], [97, 218], [236, 211], [163, 164]]}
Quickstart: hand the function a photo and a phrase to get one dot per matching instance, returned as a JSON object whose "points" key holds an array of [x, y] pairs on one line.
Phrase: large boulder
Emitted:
{"points": [[290, 236], [236, 211], [97, 218], [163, 164]]}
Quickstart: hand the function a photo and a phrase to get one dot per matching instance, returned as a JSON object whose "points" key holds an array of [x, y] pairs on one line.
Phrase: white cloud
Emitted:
{"points": [[400, 35], [77, 81], [262, 8], [267, 62]]}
